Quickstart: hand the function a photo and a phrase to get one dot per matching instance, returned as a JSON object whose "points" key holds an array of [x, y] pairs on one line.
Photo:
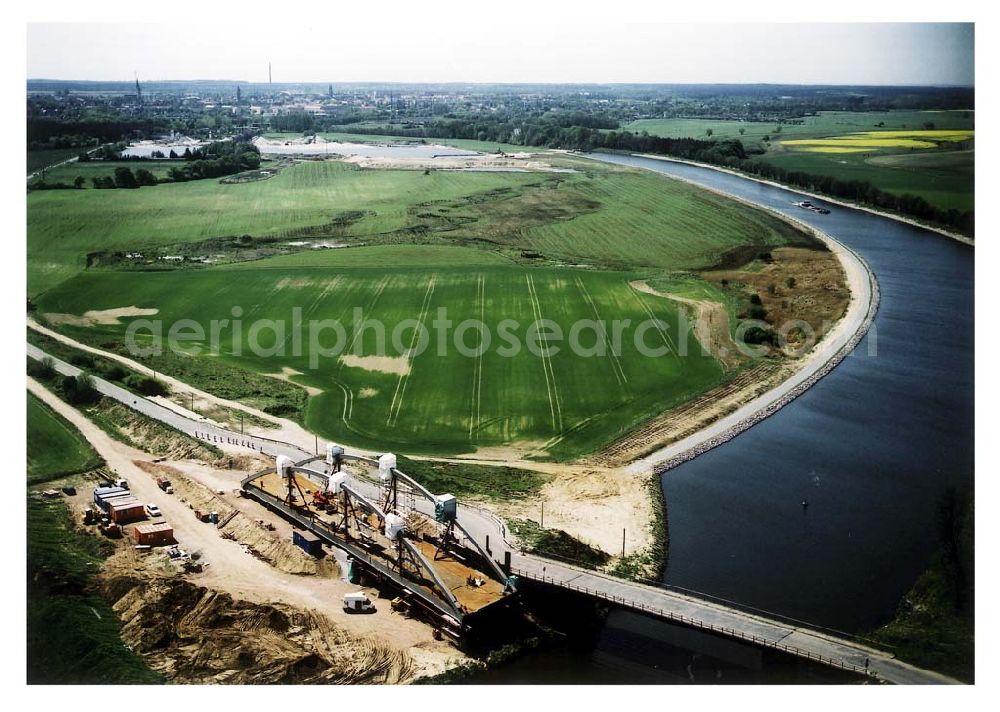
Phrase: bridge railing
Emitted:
{"points": [[707, 597], [699, 624]]}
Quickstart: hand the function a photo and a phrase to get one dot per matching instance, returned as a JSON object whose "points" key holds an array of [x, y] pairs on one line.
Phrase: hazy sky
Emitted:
{"points": [[407, 52]]}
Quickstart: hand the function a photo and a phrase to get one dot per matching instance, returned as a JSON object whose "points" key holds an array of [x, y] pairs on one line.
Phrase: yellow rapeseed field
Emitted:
{"points": [[873, 140]]}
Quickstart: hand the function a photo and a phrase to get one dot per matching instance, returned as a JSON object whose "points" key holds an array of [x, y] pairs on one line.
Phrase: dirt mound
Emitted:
{"points": [[244, 463], [154, 437], [192, 634]]}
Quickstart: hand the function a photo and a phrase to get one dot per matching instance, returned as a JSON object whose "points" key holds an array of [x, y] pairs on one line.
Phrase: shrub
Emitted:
{"points": [[755, 335], [146, 386], [79, 390]]}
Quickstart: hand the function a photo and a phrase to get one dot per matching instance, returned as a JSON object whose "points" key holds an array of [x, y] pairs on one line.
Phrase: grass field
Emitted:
{"points": [[448, 239], [452, 403], [894, 151], [98, 169], [64, 225], [607, 217], [826, 123], [55, 448], [945, 179]]}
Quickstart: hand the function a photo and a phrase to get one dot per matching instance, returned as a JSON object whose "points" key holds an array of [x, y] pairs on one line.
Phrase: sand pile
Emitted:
{"points": [[194, 635]]}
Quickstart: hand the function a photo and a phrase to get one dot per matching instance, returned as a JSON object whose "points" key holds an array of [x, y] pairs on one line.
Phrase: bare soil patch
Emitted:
{"points": [[393, 365], [102, 317], [711, 325]]}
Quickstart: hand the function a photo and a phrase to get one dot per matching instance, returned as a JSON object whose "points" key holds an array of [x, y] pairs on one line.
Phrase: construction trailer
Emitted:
{"points": [[103, 494], [154, 534], [443, 572], [125, 510]]}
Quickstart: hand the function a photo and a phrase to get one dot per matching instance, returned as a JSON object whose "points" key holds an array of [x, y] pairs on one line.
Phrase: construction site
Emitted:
{"points": [[394, 532]]}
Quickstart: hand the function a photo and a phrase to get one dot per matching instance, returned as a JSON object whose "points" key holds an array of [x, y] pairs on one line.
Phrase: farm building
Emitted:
{"points": [[156, 534]]}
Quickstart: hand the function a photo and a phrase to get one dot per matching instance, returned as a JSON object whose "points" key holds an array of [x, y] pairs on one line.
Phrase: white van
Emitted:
{"points": [[358, 603]]}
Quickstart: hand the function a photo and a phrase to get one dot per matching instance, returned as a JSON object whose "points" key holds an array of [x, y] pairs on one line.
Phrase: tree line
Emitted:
{"points": [[214, 160]]}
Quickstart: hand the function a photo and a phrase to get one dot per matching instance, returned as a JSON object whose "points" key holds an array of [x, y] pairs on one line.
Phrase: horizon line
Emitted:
{"points": [[520, 83]]}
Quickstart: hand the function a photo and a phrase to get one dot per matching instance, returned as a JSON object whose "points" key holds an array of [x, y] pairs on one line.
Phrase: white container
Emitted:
{"points": [[283, 465], [386, 464], [334, 482], [394, 525]]}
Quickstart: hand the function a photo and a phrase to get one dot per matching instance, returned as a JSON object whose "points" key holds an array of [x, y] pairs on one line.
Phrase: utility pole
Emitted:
{"points": [[192, 401], [241, 423], [623, 542], [317, 443], [542, 523]]}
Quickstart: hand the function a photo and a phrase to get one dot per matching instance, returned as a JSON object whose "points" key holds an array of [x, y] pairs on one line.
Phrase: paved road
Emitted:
{"points": [[485, 526], [222, 438]]}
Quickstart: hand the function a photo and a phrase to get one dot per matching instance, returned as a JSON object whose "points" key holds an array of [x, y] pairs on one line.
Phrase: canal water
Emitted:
{"points": [[872, 447]]}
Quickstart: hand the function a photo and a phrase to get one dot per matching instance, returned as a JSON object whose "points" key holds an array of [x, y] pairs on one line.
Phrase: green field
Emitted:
{"points": [[64, 225], [942, 176], [98, 169], [826, 123], [55, 448], [945, 179], [452, 403], [607, 217], [422, 242]]}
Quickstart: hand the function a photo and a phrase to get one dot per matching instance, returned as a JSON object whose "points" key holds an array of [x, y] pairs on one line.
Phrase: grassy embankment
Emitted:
{"points": [[938, 170], [55, 448], [254, 389], [72, 634]]}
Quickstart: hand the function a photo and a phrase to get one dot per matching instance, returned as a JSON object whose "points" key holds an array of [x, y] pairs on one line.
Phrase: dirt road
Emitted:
{"points": [[232, 570]]}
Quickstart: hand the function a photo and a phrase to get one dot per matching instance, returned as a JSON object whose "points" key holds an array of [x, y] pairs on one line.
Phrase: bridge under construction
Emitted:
{"points": [[394, 531]]}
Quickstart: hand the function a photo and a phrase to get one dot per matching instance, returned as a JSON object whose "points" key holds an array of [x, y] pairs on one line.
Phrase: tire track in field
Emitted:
{"points": [[555, 406], [348, 402], [475, 417], [616, 364], [397, 398], [667, 341], [368, 308], [308, 311], [331, 284]]}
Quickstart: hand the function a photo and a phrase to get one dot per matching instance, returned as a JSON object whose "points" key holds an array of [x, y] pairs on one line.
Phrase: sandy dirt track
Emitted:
{"points": [[232, 570]]}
